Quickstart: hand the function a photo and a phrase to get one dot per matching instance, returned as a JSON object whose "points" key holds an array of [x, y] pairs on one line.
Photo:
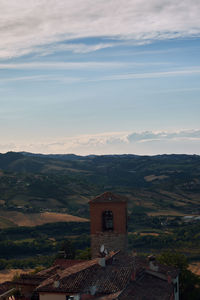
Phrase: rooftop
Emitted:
{"points": [[112, 279], [147, 287], [4, 287], [108, 197]]}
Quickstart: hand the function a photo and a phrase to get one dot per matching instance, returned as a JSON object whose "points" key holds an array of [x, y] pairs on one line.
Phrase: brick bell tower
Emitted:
{"points": [[108, 217]]}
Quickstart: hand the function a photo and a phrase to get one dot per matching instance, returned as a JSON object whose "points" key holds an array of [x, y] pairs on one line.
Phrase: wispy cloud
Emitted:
{"points": [[96, 78], [179, 72], [148, 142], [75, 65], [39, 78], [60, 65], [74, 47], [28, 25]]}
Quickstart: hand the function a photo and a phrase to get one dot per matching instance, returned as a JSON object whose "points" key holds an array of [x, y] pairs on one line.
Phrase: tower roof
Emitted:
{"points": [[108, 197]]}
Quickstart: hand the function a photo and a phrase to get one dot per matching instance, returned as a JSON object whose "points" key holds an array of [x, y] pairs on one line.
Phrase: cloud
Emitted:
{"points": [[75, 65], [149, 136], [111, 66], [141, 143], [27, 25], [146, 75], [74, 47], [40, 78], [69, 65]]}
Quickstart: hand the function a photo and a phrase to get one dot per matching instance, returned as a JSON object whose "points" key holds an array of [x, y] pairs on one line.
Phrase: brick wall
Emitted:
{"points": [[119, 216], [112, 240]]}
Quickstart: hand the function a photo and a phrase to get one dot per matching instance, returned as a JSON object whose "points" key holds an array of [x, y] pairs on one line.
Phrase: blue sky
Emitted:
{"points": [[114, 77]]}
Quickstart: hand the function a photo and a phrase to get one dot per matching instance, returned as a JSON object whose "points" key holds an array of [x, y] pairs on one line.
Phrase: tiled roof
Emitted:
{"points": [[112, 279], [38, 278], [105, 280], [143, 263], [29, 279], [48, 272], [82, 276], [109, 297], [108, 197], [6, 286], [66, 263], [48, 284], [148, 287], [167, 270]]}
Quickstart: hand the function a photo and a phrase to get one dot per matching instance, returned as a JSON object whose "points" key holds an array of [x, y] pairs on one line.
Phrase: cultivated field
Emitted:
{"points": [[21, 219]]}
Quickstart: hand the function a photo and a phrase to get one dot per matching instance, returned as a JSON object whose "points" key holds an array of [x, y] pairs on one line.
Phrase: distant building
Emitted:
{"points": [[108, 219]]}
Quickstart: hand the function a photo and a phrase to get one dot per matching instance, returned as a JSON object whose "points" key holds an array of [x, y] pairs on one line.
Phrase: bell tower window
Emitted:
{"points": [[107, 223]]}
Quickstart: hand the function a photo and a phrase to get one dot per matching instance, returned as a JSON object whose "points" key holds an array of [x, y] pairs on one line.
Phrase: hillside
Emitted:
{"points": [[163, 184], [16, 218]]}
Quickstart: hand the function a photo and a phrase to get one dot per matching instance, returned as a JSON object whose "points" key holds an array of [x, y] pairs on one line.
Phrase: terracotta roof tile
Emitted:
{"points": [[167, 270], [36, 279], [5, 286], [84, 275], [66, 263], [76, 269], [108, 197], [110, 279], [147, 288], [48, 272], [109, 297]]}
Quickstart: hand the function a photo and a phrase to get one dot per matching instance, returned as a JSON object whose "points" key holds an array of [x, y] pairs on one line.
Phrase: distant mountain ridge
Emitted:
{"points": [[161, 183]]}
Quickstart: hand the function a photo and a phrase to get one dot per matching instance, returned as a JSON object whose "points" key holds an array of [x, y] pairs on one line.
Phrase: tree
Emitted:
{"points": [[189, 283], [68, 249], [83, 254]]}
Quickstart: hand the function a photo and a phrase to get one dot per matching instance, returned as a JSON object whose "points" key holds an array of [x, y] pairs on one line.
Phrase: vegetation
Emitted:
{"points": [[30, 183], [83, 254], [58, 230], [26, 263], [154, 234], [161, 189], [146, 235], [189, 283]]}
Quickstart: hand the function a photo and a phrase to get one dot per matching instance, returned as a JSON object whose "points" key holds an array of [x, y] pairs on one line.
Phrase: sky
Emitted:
{"points": [[100, 77]]}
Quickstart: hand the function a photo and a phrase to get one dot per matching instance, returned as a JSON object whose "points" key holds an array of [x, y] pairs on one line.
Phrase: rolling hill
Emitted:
{"points": [[162, 184]]}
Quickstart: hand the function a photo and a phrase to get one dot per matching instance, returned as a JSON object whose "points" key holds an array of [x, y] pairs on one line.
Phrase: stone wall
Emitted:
{"points": [[111, 240]]}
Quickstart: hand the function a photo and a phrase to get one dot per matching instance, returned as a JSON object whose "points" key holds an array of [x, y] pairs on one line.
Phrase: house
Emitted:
{"points": [[112, 273], [7, 291], [115, 276], [27, 283]]}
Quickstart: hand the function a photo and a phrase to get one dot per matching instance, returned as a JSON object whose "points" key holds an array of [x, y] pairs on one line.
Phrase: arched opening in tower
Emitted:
{"points": [[107, 223]]}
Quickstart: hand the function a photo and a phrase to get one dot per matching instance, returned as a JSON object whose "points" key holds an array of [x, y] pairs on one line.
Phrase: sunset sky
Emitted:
{"points": [[100, 77]]}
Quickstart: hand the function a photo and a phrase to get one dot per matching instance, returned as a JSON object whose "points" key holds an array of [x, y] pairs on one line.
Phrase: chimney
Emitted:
{"points": [[133, 276], [102, 262], [152, 263], [169, 278]]}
